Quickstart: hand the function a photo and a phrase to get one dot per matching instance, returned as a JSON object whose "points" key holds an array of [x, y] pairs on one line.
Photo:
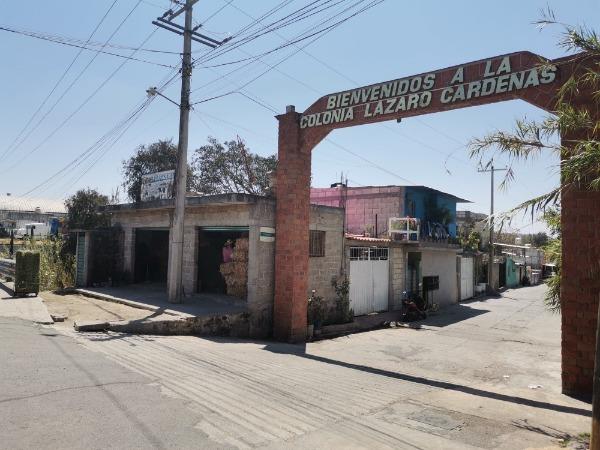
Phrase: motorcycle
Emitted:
{"points": [[413, 307]]}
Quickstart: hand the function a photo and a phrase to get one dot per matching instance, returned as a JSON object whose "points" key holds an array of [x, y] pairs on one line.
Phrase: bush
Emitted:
{"points": [[342, 303], [57, 266], [315, 310]]}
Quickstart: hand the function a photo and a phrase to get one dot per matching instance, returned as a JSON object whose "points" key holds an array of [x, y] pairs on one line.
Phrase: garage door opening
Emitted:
{"points": [[369, 280], [413, 273], [151, 256], [223, 261]]}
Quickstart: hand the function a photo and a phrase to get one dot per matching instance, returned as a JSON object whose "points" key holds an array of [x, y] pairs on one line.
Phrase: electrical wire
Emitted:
{"points": [[79, 160], [271, 28], [64, 93], [90, 47], [106, 138], [64, 74], [65, 121], [318, 35]]}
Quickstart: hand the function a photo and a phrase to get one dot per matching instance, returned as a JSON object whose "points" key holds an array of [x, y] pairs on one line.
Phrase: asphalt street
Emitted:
{"points": [[56, 394]]}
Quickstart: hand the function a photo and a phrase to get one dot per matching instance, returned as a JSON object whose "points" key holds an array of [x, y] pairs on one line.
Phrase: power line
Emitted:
{"points": [[299, 16], [96, 146], [300, 38], [319, 34], [59, 81], [64, 93], [91, 49], [341, 74]]}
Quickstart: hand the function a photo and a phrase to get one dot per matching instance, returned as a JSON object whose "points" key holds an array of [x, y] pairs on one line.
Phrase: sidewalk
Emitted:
{"points": [[32, 309]]}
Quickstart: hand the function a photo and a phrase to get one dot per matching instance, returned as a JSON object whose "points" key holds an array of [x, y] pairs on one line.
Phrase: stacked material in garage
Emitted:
{"points": [[236, 272]]}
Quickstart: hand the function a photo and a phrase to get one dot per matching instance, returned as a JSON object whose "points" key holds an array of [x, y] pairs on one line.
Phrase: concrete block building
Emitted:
{"points": [[368, 208], [430, 252], [210, 222]]}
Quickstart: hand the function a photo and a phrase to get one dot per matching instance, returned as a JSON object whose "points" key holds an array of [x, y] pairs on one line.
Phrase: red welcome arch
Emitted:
{"points": [[521, 75]]}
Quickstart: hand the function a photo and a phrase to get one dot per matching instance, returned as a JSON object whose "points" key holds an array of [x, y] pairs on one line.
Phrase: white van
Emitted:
{"points": [[36, 229]]}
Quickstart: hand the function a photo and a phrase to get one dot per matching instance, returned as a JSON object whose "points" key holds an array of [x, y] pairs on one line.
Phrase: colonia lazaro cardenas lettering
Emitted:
{"points": [[420, 91], [381, 91]]}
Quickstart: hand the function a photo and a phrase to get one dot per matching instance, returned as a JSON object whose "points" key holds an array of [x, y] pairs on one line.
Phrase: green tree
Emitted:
{"points": [[580, 157], [231, 167], [82, 210], [536, 240], [155, 157], [471, 241], [553, 254]]}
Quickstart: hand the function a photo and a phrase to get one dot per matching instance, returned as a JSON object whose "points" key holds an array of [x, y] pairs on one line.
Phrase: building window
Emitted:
{"points": [[369, 253], [316, 243]]}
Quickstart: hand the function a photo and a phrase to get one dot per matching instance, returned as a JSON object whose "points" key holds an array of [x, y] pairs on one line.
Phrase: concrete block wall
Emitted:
{"points": [[441, 262], [363, 204], [261, 268], [397, 257], [323, 269], [261, 255]]}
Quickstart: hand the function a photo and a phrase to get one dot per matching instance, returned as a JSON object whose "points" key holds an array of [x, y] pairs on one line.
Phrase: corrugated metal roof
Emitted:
{"points": [[45, 205]]}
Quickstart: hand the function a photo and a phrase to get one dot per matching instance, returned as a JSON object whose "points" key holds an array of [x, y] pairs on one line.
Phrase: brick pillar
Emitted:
{"points": [[291, 241], [580, 287]]}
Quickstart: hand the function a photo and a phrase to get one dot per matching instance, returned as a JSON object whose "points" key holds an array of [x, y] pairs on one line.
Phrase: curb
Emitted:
{"points": [[236, 325], [5, 285], [91, 326], [131, 303]]}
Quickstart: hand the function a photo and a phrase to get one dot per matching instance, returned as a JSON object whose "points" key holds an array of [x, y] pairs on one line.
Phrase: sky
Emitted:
{"points": [[393, 39]]}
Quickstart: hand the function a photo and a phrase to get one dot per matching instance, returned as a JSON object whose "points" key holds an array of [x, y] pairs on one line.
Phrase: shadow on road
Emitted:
{"points": [[451, 315], [300, 350]]}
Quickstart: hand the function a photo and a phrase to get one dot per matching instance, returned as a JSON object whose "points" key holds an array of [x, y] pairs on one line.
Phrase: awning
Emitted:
{"points": [[225, 228]]}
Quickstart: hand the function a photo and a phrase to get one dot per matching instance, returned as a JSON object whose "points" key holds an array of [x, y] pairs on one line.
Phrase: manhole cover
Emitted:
{"points": [[436, 419]]}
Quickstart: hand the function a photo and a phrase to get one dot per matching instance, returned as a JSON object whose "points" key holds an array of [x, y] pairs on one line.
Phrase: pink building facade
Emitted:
{"points": [[367, 208]]}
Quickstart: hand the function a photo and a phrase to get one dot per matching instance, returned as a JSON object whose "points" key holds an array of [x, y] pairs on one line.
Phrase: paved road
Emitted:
{"points": [[56, 394], [479, 375]]}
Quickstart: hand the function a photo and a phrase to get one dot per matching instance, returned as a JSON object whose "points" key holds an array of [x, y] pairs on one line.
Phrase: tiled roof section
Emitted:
{"points": [[358, 237]]}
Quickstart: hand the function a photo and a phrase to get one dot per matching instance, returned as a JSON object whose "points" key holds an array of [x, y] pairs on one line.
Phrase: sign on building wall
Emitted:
{"points": [[158, 185], [267, 234]]}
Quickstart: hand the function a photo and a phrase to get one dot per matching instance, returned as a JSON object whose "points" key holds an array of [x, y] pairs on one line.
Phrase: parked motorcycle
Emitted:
{"points": [[413, 307]]}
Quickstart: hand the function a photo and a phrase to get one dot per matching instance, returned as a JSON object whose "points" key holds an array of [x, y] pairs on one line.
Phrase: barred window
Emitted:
{"points": [[316, 243], [368, 253]]}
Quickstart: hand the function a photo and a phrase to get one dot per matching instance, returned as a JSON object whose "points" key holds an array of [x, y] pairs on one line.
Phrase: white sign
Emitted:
{"points": [[157, 185], [421, 91], [267, 234]]}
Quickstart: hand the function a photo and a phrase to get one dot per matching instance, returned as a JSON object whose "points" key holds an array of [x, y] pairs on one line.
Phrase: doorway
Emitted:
{"points": [[413, 272], [210, 256], [151, 256]]}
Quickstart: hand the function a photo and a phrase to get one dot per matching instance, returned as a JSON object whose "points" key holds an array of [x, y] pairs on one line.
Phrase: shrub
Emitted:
{"points": [[316, 309], [342, 303], [57, 267]]}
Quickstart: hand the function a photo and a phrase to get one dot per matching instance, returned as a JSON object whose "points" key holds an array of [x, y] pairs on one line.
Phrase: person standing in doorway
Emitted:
{"points": [[228, 251]]}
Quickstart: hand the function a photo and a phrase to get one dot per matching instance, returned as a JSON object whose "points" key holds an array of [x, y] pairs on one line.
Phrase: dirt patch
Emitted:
{"points": [[79, 308]]}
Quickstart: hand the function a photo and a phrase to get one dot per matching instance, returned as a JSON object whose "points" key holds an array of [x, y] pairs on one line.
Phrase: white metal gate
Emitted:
{"points": [[369, 279], [466, 278]]}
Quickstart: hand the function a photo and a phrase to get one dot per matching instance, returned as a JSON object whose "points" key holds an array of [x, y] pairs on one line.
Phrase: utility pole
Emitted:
{"points": [[174, 280], [491, 223]]}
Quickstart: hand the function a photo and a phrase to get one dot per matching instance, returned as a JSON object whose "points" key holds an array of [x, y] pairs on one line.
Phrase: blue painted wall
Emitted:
{"points": [[417, 196]]}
